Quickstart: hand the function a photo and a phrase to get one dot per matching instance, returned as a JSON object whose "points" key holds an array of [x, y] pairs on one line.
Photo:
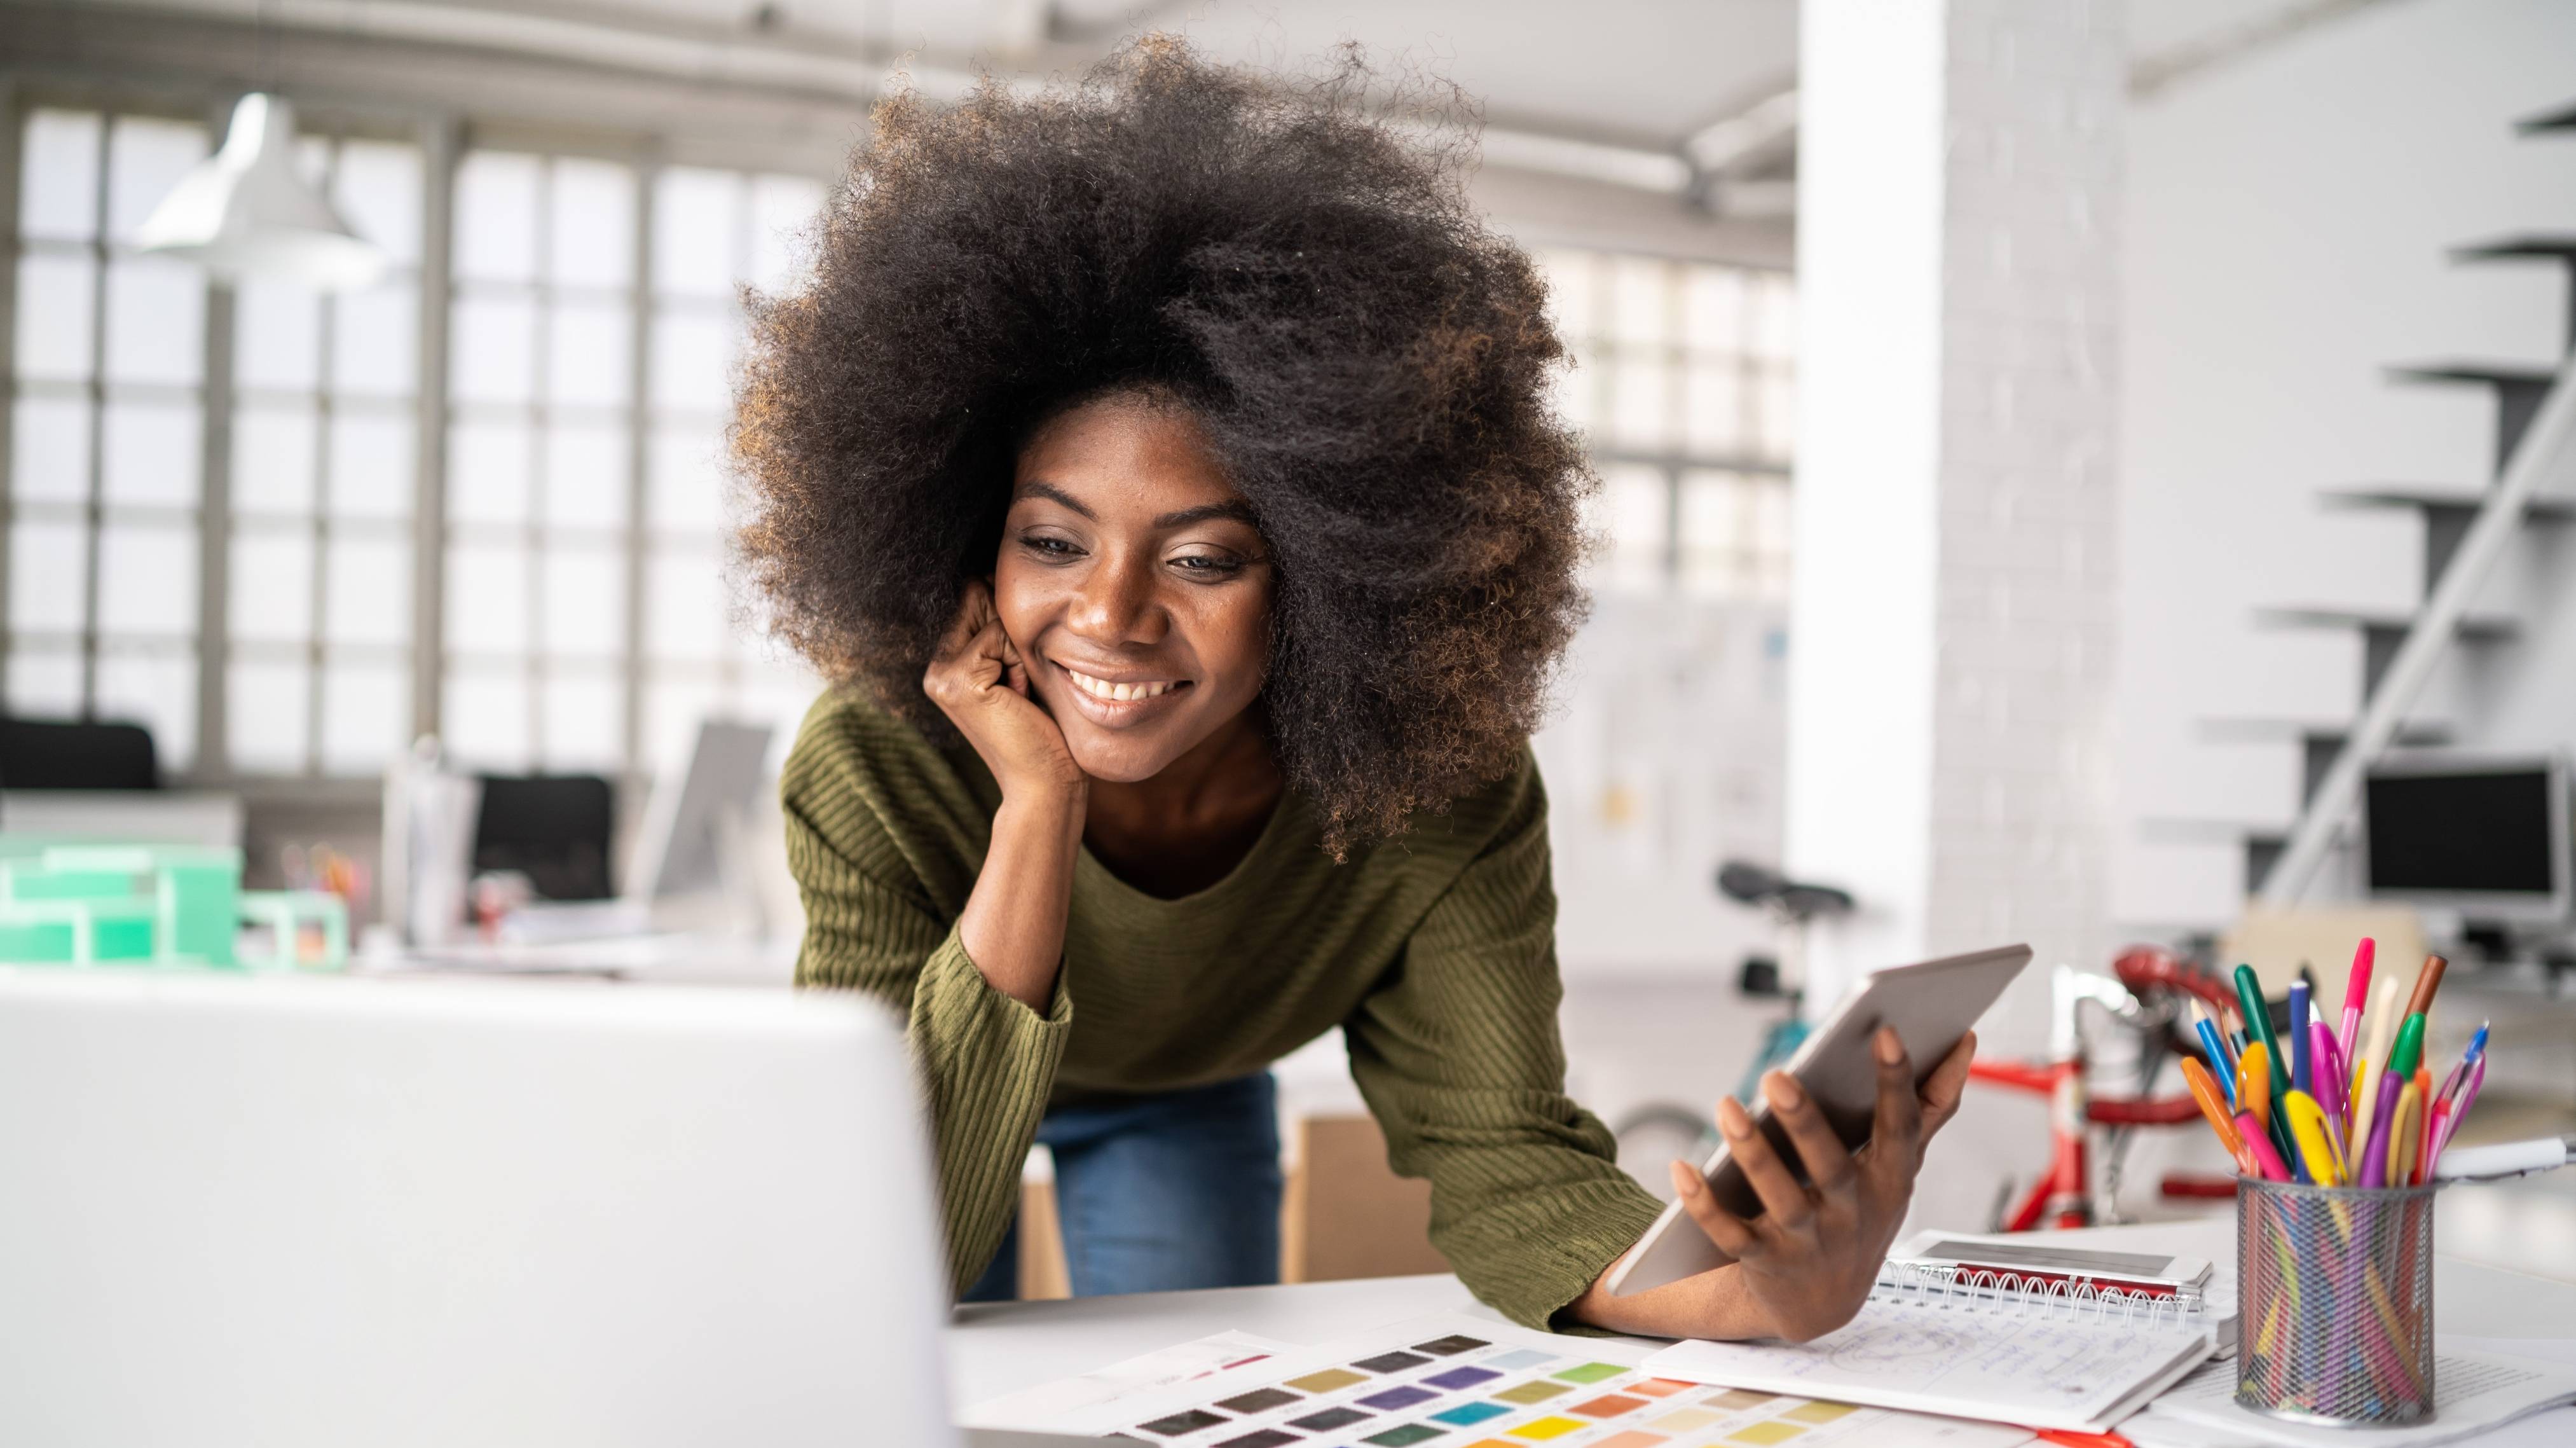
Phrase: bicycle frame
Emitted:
{"points": [[2063, 1195]]}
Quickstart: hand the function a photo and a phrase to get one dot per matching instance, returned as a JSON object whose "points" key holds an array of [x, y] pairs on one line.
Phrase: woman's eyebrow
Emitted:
{"points": [[1054, 493], [1238, 510]]}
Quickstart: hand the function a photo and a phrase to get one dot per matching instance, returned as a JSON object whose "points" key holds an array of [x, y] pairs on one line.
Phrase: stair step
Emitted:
{"points": [[2383, 634], [2439, 499], [2561, 119], [2475, 629], [2519, 389], [2447, 516], [2426, 735], [2558, 246], [2175, 830], [2543, 245]]}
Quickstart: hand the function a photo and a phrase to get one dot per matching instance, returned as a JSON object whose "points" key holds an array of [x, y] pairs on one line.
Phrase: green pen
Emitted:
{"points": [[2258, 1020], [2408, 1053]]}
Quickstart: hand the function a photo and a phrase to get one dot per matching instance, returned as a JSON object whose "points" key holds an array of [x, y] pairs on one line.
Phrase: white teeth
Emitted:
{"points": [[1103, 689]]}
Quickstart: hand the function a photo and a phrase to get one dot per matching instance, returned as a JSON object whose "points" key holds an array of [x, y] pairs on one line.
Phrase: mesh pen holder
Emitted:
{"points": [[2336, 1297]]}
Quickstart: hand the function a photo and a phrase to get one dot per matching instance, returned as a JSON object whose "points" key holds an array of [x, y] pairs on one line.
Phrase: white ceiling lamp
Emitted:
{"points": [[243, 212]]}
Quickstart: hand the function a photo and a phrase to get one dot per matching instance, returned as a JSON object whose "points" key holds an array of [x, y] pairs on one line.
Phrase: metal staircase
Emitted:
{"points": [[2465, 534]]}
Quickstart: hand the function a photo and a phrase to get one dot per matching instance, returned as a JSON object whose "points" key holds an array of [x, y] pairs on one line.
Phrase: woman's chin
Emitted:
{"points": [[1124, 762]]}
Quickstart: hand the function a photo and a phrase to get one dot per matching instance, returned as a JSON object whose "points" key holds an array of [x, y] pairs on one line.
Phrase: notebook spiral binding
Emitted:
{"points": [[1987, 1292]]}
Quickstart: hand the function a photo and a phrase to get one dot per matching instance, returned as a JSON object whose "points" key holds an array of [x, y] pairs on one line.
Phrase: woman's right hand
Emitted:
{"points": [[978, 680]]}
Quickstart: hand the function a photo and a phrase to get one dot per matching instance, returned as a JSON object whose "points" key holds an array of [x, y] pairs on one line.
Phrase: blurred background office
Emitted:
{"points": [[2050, 453]]}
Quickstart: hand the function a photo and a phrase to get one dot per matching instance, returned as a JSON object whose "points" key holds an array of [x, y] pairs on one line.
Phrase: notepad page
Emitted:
{"points": [[2042, 1371]]}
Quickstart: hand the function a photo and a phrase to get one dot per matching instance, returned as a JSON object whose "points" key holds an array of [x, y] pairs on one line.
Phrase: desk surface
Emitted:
{"points": [[1001, 1347]]}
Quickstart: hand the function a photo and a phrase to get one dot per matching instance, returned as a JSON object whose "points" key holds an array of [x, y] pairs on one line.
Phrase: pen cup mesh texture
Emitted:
{"points": [[2336, 1297]]}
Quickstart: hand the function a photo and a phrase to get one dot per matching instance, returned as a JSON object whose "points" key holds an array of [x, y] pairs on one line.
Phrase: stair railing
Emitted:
{"points": [[2547, 453]]}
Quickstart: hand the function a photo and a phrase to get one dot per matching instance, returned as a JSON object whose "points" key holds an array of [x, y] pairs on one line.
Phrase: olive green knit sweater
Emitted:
{"points": [[1434, 953]]}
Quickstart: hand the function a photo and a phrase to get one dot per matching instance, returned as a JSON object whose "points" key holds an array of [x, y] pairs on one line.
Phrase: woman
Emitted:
{"points": [[1164, 467]]}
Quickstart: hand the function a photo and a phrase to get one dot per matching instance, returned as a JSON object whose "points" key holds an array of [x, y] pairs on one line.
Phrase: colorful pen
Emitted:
{"points": [[2253, 1092], [2423, 1122], [2258, 1029], [2356, 995], [2266, 1158], [2374, 1155], [2427, 981], [2372, 1066], [2460, 1111], [2213, 1104], [2301, 1041], [2403, 1135], [2218, 1063], [2315, 1139], [2408, 1053], [2331, 1089]]}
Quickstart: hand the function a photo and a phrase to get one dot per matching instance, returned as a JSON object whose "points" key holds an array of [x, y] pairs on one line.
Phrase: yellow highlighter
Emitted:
{"points": [[2402, 1130], [2254, 1083], [2315, 1138]]}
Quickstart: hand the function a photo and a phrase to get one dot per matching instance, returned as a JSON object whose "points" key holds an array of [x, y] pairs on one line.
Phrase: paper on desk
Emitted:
{"points": [[2476, 1390], [1464, 1370], [1216, 1361]]}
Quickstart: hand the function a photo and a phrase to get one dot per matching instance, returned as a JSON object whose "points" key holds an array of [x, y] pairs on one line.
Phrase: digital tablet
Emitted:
{"points": [[1931, 1005]]}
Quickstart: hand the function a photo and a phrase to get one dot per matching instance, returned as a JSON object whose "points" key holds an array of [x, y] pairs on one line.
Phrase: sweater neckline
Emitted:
{"points": [[1254, 865]]}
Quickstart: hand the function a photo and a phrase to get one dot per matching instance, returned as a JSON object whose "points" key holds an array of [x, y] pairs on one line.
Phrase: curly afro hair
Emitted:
{"points": [[1369, 363]]}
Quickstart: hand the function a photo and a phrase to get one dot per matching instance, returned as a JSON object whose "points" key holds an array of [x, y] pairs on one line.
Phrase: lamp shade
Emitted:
{"points": [[243, 212]]}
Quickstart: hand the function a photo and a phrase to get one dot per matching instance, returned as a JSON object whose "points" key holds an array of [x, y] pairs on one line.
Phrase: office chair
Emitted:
{"points": [[76, 754]]}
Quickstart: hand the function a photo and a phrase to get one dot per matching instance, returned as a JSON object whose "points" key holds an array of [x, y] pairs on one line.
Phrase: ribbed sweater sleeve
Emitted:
{"points": [[986, 1061], [1458, 1056]]}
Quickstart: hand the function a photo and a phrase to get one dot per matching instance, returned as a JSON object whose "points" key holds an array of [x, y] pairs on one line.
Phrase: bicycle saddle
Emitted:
{"points": [[1752, 884]]}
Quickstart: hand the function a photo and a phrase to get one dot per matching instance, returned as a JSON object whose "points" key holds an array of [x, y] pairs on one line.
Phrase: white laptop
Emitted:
{"points": [[291, 1211]]}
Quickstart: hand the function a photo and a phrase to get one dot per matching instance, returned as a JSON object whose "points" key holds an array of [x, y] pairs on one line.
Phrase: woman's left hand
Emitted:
{"points": [[1806, 1264], [1809, 1260]]}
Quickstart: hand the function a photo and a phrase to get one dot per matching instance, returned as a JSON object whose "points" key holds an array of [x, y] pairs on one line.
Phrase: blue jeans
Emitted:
{"points": [[1159, 1193]]}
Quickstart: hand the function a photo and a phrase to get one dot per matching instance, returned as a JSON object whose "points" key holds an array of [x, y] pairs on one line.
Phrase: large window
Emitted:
{"points": [[1684, 383], [106, 448], [597, 316], [594, 314], [319, 596]]}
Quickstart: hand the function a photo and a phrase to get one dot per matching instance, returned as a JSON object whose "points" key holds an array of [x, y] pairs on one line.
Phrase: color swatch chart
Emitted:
{"points": [[1460, 1382]]}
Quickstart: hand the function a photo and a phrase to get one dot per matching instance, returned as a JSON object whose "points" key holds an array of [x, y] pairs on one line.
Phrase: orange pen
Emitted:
{"points": [[2423, 1124], [2254, 1083], [2213, 1104]]}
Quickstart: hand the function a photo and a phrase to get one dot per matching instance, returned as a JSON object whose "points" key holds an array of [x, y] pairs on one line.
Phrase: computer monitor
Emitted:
{"points": [[2487, 837], [693, 820], [294, 1210], [556, 829]]}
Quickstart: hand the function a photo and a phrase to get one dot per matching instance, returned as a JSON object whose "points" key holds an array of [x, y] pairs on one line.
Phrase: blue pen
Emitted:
{"points": [[2218, 1063], [2299, 1068]]}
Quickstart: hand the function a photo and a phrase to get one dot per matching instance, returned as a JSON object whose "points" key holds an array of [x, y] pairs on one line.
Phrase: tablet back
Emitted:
{"points": [[1931, 1005]]}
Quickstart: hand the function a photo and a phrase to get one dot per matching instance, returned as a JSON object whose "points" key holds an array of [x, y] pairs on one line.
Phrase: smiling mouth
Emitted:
{"points": [[1109, 691]]}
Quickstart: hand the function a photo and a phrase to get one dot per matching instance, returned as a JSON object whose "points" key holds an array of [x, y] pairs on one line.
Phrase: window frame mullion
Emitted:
{"points": [[440, 138], [213, 756], [13, 132]]}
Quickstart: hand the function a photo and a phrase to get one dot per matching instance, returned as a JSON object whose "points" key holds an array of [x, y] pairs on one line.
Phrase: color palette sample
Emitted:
{"points": [[1479, 1389]]}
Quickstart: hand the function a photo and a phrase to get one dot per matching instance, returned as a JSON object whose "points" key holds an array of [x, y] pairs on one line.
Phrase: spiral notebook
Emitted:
{"points": [[1969, 1344]]}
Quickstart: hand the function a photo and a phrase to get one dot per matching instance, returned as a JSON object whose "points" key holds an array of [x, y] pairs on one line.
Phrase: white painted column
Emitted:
{"points": [[1952, 617]]}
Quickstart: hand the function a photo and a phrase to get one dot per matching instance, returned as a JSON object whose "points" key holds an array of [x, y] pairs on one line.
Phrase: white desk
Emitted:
{"points": [[1001, 1347]]}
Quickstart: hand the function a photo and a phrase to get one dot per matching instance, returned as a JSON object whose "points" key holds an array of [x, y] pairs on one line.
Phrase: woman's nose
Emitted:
{"points": [[1116, 604]]}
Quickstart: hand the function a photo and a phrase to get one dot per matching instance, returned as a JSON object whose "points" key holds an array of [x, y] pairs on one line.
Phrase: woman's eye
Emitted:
{"points": [[1207, 565], [1048, 547]]}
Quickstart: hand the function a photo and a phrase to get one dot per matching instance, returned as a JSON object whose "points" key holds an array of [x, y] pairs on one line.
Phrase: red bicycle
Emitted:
{"points": [[2142, 1025]]}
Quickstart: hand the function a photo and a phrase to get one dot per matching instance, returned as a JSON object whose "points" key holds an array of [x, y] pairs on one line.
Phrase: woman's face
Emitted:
{"points": [[1133, 584]]}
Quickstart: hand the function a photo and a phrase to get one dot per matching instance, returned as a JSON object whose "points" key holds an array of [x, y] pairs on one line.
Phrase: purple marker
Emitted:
{"points": [[2374, 1157]]}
